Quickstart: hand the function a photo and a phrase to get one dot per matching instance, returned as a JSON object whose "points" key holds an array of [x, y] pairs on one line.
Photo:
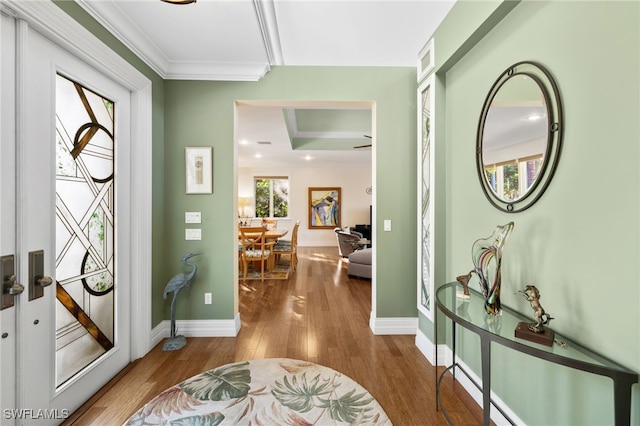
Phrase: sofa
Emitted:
{"points": [[360, 263]]}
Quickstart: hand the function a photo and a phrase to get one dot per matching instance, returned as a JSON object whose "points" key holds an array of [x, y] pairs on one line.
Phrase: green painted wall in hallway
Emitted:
{"points": [[580, 243], [201, 113]]}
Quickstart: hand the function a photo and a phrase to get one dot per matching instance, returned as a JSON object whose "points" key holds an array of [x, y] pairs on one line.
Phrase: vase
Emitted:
{"points": [[487, 259]]}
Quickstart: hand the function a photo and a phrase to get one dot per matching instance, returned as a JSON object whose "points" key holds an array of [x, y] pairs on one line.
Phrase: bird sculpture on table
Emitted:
{"points": [[175, 285]]}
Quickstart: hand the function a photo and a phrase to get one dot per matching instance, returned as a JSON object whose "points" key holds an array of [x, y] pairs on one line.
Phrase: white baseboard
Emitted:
{"points": [[197, 328], [381, 326], [445, 355], [428, 349]]}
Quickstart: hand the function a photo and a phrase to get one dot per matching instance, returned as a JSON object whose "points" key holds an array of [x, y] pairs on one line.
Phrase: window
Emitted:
{"points": [[272, 196], [512, 179]]}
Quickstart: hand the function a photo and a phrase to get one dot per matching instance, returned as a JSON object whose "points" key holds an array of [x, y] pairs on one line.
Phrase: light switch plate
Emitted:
{"points": [[387, 225], [192, 217], [193, 234]]}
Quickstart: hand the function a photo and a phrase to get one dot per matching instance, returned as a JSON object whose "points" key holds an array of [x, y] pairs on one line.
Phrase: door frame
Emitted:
{"points": [[53, 23]]}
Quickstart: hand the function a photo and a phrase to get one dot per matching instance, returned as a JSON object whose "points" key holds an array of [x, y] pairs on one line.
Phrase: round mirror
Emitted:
{"points": [[519, 137]]}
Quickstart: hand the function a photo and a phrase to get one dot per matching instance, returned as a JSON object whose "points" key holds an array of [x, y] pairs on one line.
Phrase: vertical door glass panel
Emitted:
{"points": [[84, 227], [425, 183]]}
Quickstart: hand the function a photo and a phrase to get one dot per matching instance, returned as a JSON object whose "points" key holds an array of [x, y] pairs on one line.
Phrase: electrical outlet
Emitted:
{"points": [[387, 225], [207, 298]]}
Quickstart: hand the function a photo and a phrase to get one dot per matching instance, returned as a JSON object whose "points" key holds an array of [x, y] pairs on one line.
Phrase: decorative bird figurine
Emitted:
{"points": [[175, 285]]}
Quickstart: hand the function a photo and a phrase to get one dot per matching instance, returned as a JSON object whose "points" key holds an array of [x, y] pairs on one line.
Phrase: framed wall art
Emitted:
{"points": [[199, 170], [426, 213], [324, 207]]}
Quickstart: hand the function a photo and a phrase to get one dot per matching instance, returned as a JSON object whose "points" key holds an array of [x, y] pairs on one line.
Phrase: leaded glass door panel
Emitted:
{"points": [[84, 227]]}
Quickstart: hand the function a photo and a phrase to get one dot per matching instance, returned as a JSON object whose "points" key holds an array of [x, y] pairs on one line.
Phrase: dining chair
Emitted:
{"points": [[289, 248], [255, 248]]}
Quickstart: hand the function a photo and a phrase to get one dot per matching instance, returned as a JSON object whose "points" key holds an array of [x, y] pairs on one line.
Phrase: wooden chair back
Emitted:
{"points": [[252, 237], [255, 247], [290, 249]]}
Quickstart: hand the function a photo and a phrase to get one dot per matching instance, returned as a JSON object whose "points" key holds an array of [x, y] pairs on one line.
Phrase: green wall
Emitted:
{"points": [[200, 113], [580, 244]]}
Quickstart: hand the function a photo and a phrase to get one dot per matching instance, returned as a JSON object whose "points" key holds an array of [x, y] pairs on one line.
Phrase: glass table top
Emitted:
{"points": [[501, 328]]}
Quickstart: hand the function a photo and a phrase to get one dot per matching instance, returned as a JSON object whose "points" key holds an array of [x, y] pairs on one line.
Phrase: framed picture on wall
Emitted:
{"points": [[324, 207], [199, 170], [425, 194]]}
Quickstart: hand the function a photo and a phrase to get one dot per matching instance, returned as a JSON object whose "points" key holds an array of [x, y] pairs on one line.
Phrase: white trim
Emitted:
{"points": [[426, 347], [197, 328], [106, 12], [60, 28], [395, 326], [215, 71], [266, 15], [427, 50]]}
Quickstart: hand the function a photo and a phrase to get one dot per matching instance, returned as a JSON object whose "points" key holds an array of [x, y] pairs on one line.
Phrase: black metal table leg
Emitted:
{"points": [[485, 354]]}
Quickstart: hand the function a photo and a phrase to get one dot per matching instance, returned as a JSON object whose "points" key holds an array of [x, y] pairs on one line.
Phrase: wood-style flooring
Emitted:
{"points": [[319, 315]]}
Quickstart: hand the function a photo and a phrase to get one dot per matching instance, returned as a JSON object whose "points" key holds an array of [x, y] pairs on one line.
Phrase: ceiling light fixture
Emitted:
{"points": [[179, 1]]}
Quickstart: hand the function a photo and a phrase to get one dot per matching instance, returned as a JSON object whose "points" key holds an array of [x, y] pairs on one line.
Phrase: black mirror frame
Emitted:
{"points": [[547, 84]]}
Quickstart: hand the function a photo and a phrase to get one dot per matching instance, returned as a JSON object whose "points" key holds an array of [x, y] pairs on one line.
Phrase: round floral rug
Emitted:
{"points": [[276, 391]]}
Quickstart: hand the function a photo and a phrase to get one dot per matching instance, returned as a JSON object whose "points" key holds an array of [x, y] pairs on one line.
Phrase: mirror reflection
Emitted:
{"points": [[515, 137], [519, 137]]}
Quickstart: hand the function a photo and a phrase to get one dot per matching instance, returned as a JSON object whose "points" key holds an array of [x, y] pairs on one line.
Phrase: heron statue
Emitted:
{"points": [[175, 285]]}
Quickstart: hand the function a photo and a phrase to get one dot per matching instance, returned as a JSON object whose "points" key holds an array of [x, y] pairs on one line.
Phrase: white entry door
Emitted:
{"points": [[66, 222]]}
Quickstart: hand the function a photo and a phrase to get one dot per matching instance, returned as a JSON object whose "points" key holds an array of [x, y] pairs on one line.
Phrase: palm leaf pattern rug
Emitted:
{"points": [[274, 391]]}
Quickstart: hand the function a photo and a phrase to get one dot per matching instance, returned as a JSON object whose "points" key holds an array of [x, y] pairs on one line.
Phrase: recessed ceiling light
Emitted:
{"points": [[258, 155], [534, 117], [244, 142], [308, 157]]}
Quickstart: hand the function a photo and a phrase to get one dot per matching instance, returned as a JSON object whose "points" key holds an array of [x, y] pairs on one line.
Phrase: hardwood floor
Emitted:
{"points": [[320, 315]]}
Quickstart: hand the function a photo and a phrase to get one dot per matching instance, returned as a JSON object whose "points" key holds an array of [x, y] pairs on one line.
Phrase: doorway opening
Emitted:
{"points": [[310, 144]]}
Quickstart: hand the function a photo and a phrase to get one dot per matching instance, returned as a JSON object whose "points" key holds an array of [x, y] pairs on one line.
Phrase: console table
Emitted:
{"points": [[470, 314]]}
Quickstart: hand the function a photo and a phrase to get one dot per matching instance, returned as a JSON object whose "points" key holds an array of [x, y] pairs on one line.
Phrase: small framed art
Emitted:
{"points": [[199, 170]]}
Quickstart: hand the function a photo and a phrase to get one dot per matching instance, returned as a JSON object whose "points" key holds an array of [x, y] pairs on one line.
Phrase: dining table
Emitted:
{"points": [[270, 235]]}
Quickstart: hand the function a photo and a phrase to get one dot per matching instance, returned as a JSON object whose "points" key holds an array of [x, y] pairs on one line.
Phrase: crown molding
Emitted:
{"points": [[106, 12], [266, 15], [215, 71], [128, 34]]}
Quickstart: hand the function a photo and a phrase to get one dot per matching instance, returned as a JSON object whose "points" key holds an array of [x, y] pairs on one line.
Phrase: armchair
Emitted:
{"points": [[346, 241]]}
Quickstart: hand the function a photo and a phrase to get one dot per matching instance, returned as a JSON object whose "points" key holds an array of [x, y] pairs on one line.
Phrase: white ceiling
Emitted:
{"points": [[239, 40]]}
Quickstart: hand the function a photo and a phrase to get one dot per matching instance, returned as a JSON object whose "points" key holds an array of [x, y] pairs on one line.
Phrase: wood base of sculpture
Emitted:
{"points": [[545, 337]]}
